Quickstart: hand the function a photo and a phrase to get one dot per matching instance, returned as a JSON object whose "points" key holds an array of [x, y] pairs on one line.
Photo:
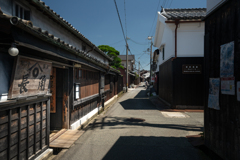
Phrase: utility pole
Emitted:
{"points": [[139, 71], [150, 38], [127, 66]]}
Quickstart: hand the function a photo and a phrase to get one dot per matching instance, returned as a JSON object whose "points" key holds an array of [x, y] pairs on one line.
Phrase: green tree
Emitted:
{"points": [[113, 53]]}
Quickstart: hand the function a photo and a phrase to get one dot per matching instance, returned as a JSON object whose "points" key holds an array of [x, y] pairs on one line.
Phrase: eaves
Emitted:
{"points": [[26, 26], [51, 14]]}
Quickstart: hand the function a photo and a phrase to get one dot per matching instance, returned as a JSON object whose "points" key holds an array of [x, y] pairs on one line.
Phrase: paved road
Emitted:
{"points": [[134, 129]]}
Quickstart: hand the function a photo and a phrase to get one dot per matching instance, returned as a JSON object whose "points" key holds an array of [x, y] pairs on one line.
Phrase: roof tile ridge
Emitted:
{"points": [[69, 25]]}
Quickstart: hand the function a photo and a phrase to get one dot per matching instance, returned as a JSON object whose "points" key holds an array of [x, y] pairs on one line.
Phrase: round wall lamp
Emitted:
{"points": [[13, 51]]}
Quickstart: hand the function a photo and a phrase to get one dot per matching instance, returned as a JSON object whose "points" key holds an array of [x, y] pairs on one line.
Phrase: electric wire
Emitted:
{"points": [[116, 42], [154, 17], [125, 17], [120, 21], [146, 65], [170, 3], [137, 42]]}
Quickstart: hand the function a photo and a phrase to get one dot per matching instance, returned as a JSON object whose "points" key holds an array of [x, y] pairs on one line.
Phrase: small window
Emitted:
{"points": [[77, 91], [21, 12], [79, 73]]}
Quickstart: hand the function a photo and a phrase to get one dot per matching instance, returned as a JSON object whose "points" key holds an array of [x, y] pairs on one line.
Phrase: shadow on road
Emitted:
{"points": [[141, 94], [163, 148], [139, 104], [114, 122]]}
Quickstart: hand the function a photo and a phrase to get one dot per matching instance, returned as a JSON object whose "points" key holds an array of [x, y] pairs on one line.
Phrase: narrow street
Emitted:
{"points": [[133, 128]]}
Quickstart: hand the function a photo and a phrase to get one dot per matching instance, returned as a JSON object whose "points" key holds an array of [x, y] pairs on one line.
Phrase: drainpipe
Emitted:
{"points": [[176, 23]]}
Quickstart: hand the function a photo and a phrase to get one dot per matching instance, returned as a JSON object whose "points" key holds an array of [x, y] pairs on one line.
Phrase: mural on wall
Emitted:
{"points": [[31, 77], [213, 97], [227, 69]]}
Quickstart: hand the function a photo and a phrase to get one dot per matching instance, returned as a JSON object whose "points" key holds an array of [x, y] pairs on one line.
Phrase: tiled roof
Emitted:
{"points": [[123, 57], [47, 10], [184, 14], [28, 26]]}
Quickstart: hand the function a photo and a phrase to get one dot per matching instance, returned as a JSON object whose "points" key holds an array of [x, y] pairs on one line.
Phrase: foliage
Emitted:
{"points": [[113, 53], [137, 76]]}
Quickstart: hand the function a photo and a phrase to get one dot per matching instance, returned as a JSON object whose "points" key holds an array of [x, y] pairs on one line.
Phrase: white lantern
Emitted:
{"points": [[13, 51]]}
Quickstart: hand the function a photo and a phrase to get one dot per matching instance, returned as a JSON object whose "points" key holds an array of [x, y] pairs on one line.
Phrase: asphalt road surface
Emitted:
{"points": [[134, 129]]}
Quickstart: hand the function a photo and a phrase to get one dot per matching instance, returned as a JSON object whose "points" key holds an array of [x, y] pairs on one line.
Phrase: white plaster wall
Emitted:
{"points": [[190, 41], [168, 42], [212, 4], [45, 23]]}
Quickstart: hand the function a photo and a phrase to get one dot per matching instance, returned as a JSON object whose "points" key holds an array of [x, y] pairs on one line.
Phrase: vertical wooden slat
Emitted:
{"points": [[9, 132], [35, 128], [19, 130], [41, 120], [48, 121], [27, 140]]}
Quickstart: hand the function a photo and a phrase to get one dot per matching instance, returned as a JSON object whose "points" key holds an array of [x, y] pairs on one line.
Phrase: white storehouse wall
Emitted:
{"points": [[190, 40]]}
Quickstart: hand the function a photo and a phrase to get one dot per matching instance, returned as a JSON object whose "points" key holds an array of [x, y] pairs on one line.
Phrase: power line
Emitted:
{"points": [[125, 17], [170, 3], [137, 42], [164, 2], [116, 42], [154, 18], [120, 21], [123, 49], [146, 65]]}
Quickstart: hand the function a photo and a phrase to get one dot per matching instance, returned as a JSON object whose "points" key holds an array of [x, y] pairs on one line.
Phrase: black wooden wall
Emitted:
{"points": [[222, 127], [187, 88], [165, 81]]}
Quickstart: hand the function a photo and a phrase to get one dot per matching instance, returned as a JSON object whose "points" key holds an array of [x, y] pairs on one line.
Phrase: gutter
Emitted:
{"points": [[176, 23]]}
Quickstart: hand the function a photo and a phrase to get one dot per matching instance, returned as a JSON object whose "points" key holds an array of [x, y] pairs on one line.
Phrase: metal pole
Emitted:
{"points": [[139, 71], [150, 67], [127, 66]]}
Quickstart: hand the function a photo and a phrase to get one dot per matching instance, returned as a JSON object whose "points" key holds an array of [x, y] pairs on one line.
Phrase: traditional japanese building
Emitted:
{"points": [[52, 77], [179, 38], [222, 86]]}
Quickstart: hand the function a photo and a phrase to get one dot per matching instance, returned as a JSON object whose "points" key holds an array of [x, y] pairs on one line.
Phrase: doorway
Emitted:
{"points": [[59, 99]]}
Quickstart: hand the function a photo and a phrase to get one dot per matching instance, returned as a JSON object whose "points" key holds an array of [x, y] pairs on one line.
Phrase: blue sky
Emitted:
{"points": [[98, 21]]}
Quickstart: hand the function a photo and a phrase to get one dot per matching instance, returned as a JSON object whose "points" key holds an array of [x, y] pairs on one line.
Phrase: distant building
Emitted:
{"points": [[131, 61], [179, 38]]}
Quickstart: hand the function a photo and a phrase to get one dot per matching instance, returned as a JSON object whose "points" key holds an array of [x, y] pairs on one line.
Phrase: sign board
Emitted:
{"points": [[153, 79], [53, 91], [191, 69], [31, 77], [213, 96], [228, 85], [227, 60]]}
